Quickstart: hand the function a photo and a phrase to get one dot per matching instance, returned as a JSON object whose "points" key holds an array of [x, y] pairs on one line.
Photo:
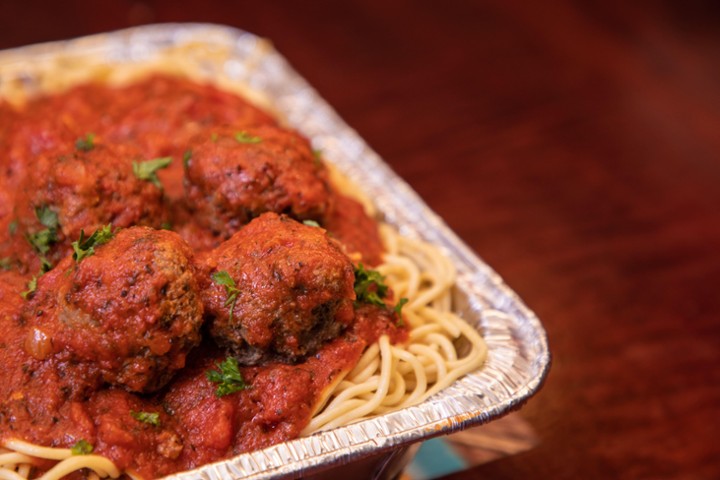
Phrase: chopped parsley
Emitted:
{"points": [[223, 278], [187, 156], [47, 217], [81, 447], [311, 223], [399, 306], [369, 286], [86, 144], [6, 263], [42, 241], [152, 418], [227, 376], [45, 265], [85, 246], [244, 137], [214, 137], [31, 287], [12, 227], [147, 170]]}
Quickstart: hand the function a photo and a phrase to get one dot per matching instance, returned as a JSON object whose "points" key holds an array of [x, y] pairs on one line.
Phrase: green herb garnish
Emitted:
{"points": [[147, 170], [398, 307], [42, 240], [186, 158], [12, 227], [86, 144], [85, 246], [223, 278], [369, 286], [81, 447], [45, 265], [31, 287], [152, 418], [6, 263], [311, 223], [244, 137], [47, 217], [227, 377]]}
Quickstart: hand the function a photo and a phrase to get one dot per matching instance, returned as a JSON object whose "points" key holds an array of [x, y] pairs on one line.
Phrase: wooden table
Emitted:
{"points": [[575, 147]]}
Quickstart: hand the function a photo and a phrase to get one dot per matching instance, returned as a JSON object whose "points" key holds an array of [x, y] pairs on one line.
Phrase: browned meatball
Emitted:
{"points": [[162, 113], [84, 190], [290, 290], [358, 232], [131, 310], [233, 176]]}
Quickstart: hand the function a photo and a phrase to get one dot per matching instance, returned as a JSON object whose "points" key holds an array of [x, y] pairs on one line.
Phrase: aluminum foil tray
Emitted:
{"points": [[518, 358]]}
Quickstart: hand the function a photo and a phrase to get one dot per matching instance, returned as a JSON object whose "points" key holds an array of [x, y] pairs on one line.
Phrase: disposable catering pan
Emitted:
{"points": [[518, 357]]}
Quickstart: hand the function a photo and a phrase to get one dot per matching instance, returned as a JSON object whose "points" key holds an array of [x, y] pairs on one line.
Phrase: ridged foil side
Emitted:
{"points": [[518, 358]]}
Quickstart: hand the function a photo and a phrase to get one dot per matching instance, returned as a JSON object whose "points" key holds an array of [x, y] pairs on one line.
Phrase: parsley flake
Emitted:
{"points": [[228, 377], [398, 311], [85, 246], [187, 156], [81, 447], [12, 227], [45, 264], [31, 287], [47, 217], [369, 286], [223, 278], [44, 239], [6, 263], [244, 137], [152, 418], [147, 170], [311, 223], [86, 144], [400, 304]]}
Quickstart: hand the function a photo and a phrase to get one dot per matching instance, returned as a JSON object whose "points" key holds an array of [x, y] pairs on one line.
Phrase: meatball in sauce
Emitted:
{"points": [[235, 175], [131, 310], [291, 287]]}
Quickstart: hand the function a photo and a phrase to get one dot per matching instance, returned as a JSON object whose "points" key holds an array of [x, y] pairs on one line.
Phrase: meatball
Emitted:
{"points": [[235, 175], [162, 113], [350, 224], [131, 310], [85, 189], [278, 289]]}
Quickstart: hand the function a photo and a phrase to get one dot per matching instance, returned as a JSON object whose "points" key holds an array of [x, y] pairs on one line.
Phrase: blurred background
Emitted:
{"points": [[575, 146]]}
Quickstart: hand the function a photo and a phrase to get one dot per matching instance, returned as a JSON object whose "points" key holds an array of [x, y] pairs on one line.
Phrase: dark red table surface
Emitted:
{"points": [[575, 146]]}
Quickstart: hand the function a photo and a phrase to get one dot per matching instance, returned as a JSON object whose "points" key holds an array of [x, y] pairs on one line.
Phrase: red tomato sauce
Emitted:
{"points": [[52, 398]]}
